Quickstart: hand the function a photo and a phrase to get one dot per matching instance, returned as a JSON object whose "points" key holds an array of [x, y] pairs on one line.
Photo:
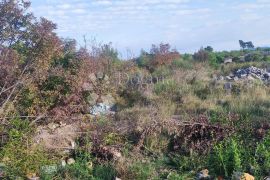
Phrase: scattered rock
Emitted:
{"points": [[90, 165], [229, 78], [63, 163], [248, 177], [100, 75], [242, 176], [62, 124], [228, 86], [100, 109], [70, 161], [250, 73], [220, 78], [228, 60], [250, 77], [73, 144], [108, 152], [235, 78], [203, 175], [53, 126], [32, 176], [106, 78]]}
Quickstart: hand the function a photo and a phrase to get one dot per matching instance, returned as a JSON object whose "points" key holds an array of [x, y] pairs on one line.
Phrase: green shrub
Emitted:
{"points": [[213, 61], [112, 138], [81, 169], [162, 72], [184, 64], [166, 87], [203, 92], [226, 157], [17, 154], [187, 163], [78, 170], [142, 171], [157, 142], [262, 155], [104, 172], [27, 99], [56, 83], [175, 176]]}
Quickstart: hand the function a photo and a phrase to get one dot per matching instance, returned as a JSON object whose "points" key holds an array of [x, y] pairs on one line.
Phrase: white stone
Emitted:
{"points": [[228, 60], [228, 78], [63, 163], [70, 161], [236, 78], [73, 144], [52, 126]]}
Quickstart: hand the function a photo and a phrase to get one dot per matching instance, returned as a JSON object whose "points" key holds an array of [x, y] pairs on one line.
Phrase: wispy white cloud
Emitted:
{"points": [[188, 24]]}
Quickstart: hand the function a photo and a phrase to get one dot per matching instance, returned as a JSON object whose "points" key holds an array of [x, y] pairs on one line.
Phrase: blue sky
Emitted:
{"points": [[185, 24]]}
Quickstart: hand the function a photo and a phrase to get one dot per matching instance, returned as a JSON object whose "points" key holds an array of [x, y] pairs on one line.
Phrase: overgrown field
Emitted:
{"points": [[69, 113]]}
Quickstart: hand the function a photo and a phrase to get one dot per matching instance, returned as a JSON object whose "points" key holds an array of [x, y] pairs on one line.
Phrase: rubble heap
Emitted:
{"points": [[250, 73]]}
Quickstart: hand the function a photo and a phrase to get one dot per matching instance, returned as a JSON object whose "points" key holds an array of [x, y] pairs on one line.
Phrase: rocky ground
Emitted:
{"points": [[250, 73]]}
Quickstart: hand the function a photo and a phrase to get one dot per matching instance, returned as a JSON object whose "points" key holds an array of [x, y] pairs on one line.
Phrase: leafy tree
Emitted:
{"points": [[109, 57], [213, 59], [34, 58], [246, 45], [144, 59], [14, 21], [162, 54], [242, 44], [209, 49]]}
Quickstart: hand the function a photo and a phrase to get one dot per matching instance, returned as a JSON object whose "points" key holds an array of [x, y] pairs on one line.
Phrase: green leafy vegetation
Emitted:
{"points": [[87, 114]]}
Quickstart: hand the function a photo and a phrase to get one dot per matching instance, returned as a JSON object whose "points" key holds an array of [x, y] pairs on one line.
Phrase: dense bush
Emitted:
{"points": [[181, 63], [159, 55]]}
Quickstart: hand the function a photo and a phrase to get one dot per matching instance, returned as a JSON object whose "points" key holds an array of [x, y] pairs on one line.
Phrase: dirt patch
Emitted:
{"points": [[57, 137]]}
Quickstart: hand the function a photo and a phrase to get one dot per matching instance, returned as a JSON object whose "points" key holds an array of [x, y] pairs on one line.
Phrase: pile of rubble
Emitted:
{"points": [[250, 73], [102, 109], [99, 100]]}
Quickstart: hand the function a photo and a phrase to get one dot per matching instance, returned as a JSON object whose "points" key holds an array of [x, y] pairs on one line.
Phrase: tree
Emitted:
{"points": [[242, 44], [14, 29], [162, 54], [201, 55], [209, 49], [108, 56], [14, 21], [144, 59], [249, 45], [246, 45], [33, 81]]}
